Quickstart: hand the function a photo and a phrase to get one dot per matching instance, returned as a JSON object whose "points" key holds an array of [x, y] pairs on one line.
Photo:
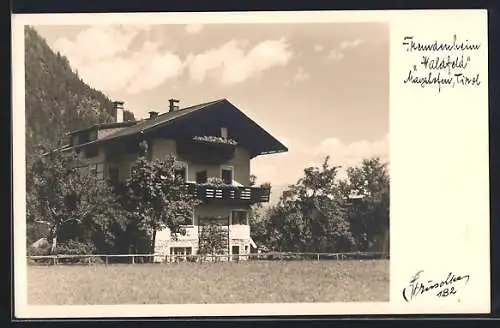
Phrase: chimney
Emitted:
{"points": [[172, 105], [118, 106], [153, 114]]}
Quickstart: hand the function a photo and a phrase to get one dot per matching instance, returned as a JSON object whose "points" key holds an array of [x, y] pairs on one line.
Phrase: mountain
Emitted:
{"points": [[57, 100]]}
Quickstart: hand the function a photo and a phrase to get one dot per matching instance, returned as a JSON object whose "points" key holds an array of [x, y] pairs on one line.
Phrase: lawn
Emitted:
{"points": [[252, 282]]}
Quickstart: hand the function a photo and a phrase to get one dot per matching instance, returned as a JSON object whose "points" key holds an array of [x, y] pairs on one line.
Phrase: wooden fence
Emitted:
{"points": [[162, 258]]}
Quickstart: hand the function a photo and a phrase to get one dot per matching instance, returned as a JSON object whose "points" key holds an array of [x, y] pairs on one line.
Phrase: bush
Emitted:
{"points": [[39, 251], [73, 247]]}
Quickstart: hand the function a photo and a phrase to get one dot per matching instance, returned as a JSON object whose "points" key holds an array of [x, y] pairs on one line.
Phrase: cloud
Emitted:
{"points": [[351, 44], [231, 64], [102, 57], [338, 54], [193, 28], [318, 48], [335, 55], [96, 43], [287, 168], [301, 75], [347, 154], [115, 57]]}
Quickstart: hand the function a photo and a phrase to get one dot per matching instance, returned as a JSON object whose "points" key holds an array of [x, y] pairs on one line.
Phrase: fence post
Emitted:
{"points": [[318, 256], [133, 259], [90, 259], [106, 257], [337, 255]]}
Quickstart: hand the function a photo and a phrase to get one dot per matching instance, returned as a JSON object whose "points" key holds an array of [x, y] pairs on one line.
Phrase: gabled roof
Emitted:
{"points": [[260, 136], [145, 125]]}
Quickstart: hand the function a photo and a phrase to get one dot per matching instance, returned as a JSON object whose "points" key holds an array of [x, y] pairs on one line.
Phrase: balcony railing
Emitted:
{"points": [[249, 195]]}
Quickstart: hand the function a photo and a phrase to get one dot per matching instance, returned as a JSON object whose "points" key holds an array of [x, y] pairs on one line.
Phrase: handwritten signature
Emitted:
{"points": [[442, 288]]}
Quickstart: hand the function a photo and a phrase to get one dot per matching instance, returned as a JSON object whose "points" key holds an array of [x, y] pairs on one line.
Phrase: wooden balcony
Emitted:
{"points": [[245, 195]]}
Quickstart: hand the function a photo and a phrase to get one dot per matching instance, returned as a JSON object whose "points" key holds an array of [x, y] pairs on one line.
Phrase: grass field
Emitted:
{"points": [[252, 282]]}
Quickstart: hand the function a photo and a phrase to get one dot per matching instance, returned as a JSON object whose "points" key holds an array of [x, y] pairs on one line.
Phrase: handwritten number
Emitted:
{"points": [[447, 292]]}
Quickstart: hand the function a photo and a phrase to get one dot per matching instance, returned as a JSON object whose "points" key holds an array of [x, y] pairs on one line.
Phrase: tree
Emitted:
{"points": [[213, 239], [156, 198], [310, 214], [367, 187], [73, 204]]}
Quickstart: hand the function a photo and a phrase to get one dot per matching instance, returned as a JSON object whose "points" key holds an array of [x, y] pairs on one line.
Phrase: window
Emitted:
{"points": [[181, 250], [226, 175], [223, 133], [201, 176], [180, 253], [180, 173], [239, 217]]}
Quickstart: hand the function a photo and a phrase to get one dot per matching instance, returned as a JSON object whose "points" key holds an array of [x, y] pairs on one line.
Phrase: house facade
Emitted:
{"points": [[214, 141]]}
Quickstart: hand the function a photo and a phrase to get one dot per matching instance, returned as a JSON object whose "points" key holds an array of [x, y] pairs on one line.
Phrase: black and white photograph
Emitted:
{"points": [[206, 164], [232, 164]]}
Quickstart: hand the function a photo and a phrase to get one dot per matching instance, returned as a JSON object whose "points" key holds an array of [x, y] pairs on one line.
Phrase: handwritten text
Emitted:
{"points": [[442, 64]]}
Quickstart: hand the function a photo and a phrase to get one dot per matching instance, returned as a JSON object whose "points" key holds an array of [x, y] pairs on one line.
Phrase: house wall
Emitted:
{"points": [[238, 234], [164, 240], [160, 148], [240, 162], [125, 164], [100, 158]]}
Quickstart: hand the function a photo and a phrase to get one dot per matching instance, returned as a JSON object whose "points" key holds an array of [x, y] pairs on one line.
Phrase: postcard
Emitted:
{"points": [[250, 163]]}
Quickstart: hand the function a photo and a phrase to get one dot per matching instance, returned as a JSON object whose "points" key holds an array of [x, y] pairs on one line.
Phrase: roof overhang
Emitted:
{"points": [[190, 121]]}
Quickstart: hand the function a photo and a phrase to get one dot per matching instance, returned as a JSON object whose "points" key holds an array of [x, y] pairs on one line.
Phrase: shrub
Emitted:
{"points": [[39, 251], [73, 247]]}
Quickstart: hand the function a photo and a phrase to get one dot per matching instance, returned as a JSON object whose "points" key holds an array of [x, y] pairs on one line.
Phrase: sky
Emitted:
{"points": [[320, 88]]}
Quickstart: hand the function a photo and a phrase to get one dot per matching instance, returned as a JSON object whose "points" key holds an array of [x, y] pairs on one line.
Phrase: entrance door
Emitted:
{"points": [[235, 250]]}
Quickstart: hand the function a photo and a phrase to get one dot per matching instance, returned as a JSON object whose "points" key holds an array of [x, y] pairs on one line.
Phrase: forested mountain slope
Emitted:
{"points": [[57, 100]]}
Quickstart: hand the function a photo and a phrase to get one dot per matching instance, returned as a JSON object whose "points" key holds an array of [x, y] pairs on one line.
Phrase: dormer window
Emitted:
{"points": [[223, 133]]}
